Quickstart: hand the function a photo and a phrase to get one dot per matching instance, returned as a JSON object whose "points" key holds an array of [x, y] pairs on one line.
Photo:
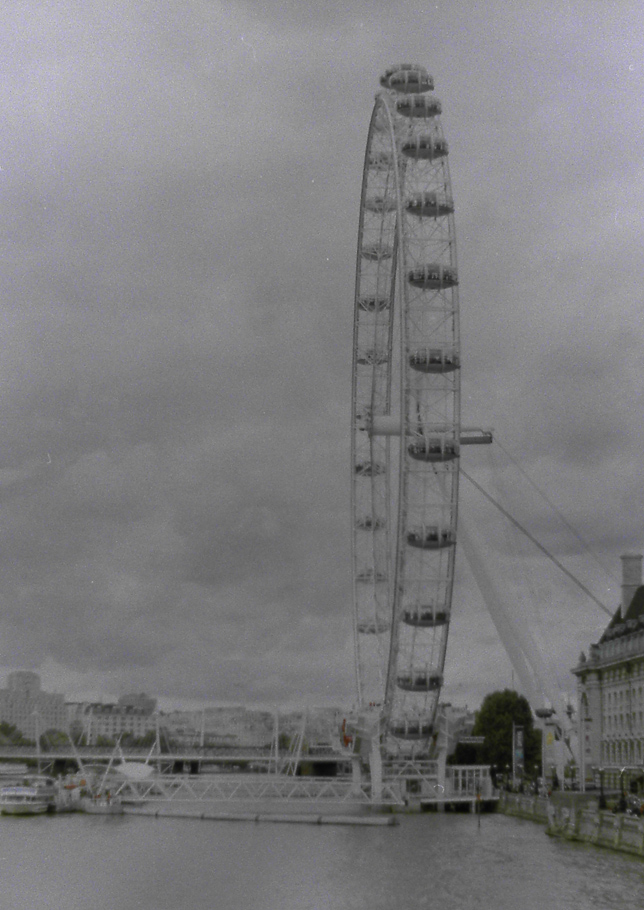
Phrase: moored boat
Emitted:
{"points": [[21, 800], [101, 805]]}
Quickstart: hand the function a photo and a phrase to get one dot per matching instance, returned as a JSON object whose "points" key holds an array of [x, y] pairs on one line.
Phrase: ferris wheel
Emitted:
{"points": [[406, 432]]}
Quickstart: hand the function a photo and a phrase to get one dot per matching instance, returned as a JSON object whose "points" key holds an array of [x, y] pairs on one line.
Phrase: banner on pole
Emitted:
{"points": [[518, 750]]}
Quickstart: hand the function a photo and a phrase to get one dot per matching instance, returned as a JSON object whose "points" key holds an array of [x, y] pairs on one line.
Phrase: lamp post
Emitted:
{"points": [[602, 798], [36, 717], [582, 750], [543, 714], [622, 795]]}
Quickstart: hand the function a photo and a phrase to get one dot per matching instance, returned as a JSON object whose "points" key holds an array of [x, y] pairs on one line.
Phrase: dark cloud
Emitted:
{"points": [[180, 194]]}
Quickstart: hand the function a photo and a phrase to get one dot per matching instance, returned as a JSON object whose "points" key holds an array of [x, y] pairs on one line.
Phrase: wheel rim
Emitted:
{"points": [[405, 389]]}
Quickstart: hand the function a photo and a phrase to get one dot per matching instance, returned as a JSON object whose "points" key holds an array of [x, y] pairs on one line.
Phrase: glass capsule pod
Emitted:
{"points": [[433, 449], [368, 575], [434, 360], [425, 148], [369, 523], [374, 627], [380, 161], [433, 277], [425, 617], [431, 538], [419, 106], [407, 77], [410, 729], [420, 681], [429, 205]]}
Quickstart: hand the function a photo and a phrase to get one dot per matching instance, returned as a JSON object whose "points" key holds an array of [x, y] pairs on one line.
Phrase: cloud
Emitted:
{"points": [[181, 189]]}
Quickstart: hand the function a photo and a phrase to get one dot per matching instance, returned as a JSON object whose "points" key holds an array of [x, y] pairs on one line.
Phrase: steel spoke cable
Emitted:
{"points": [[537, 544]]}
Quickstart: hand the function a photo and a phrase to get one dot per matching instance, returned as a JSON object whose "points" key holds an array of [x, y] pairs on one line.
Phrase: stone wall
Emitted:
{"points": [[534, 808], [605, 829], [580, 820]]}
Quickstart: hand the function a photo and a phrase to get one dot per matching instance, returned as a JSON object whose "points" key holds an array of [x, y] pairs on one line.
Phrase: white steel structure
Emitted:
{"points": [[406, 433]]}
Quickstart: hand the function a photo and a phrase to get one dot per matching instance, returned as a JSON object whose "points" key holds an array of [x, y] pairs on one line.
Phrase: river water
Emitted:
{"points": [[445, 861]]}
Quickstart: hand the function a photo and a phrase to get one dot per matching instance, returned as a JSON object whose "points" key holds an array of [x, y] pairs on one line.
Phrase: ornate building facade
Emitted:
{"points": [[610, 689]]}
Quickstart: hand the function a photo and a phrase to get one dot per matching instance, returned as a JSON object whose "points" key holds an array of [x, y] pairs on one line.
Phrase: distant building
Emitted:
{"points": [[110, 721], [143, 701], [457, 724], [183, 728], [610, 688], [239, 727], [28, 708]]}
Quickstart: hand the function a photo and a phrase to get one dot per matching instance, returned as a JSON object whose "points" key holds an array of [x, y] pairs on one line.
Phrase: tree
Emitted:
{"points": [[147, 740], [105, 742], [11, 735], [499, 711], [53, 739]]}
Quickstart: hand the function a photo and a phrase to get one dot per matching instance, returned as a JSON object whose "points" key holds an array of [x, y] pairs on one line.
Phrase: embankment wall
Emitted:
{"points": [[577, 817]]}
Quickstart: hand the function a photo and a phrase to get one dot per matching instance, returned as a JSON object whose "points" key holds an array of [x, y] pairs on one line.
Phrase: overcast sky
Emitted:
{"points": [[180, 186]]}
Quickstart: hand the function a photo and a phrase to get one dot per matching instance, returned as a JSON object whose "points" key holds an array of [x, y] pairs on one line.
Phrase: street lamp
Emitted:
{"points": [[36, 717], [543, 714], [602, 798], [622, 794]]}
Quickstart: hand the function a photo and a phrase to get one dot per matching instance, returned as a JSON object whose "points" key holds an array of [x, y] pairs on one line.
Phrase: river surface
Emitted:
{"points": [[443, 862]]}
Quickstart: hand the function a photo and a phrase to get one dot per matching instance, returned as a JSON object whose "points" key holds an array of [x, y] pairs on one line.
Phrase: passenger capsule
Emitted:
{"points": [[411, 81], [380, 161], [369, 469], [373, 304], [425, 106], [429, 205], [369, 575], [420, 681], [380, 204], [369, 523], [372, 357], [375, 252], [434, 360], [410, 729], [431, 537], [374, 627], [433, 277], [425, 148], [433, 449], [425, 617], [410, 74]]}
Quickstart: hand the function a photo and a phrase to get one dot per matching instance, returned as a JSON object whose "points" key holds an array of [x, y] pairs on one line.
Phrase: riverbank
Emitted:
{"points": [[577, 817]]}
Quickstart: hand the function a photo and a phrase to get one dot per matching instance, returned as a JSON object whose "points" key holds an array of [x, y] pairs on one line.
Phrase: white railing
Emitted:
{"points": [[468, 781], [253, 788], [400, 781]]}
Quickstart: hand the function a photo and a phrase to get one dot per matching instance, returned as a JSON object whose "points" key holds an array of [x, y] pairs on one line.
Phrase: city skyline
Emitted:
{"points": [[181, 188]]}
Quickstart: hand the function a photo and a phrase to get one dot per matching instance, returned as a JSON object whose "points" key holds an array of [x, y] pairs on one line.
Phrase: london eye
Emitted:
{"points": [[406, 432]]}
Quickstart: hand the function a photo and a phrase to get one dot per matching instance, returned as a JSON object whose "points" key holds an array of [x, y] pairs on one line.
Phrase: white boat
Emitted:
{"points": [[101, 805], [46, 787], [22, 801]]}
